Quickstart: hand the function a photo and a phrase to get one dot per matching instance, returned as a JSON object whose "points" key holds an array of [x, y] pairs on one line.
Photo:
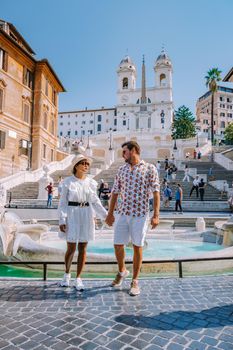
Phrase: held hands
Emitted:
{"points": [[154, 221], [110, 219], [62, 228]]}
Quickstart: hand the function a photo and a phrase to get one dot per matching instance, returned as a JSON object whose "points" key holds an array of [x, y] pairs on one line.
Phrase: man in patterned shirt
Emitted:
{"points": [[134, 182]]}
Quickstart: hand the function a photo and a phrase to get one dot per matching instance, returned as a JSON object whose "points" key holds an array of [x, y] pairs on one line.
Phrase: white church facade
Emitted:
{"points": [[136, 108], [142, 114]]}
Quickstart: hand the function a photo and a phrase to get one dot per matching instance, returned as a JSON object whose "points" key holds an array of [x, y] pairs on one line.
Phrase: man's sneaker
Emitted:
{"points": [[120, 278], [78, 284], [134, 288], [65, 282]]}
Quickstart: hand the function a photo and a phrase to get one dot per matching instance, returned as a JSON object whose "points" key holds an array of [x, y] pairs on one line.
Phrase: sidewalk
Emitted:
{"points": [[172, 314]]}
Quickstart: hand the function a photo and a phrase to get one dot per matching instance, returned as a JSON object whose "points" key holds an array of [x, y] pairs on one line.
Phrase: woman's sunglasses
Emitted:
{"points": [[84, 163]]}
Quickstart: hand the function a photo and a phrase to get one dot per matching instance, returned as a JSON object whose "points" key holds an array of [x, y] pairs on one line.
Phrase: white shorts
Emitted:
{"points": [[130, 228]]}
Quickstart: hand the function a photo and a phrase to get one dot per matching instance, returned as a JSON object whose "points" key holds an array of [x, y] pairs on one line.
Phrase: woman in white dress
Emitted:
{"points": [[78, 204]]}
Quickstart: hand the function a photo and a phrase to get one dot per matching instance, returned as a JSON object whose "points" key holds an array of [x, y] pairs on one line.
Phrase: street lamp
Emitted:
{"points": [[88, 141], [29, 144], [110, 140], [174, 147], [162, 118], [81, 134]]}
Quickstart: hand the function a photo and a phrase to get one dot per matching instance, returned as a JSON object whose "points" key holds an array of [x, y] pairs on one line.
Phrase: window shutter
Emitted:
{"points": [[1, 100], [2, 139]]}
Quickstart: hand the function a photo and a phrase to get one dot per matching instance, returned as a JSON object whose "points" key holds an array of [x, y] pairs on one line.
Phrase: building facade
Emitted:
{"points": [[29, 91], [223, 111], [136, 108]]}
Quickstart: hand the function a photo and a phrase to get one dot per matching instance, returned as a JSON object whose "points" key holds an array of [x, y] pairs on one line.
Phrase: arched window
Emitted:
{"points": [[45, 121], [162, 79], [222, 125], [125, 83]]}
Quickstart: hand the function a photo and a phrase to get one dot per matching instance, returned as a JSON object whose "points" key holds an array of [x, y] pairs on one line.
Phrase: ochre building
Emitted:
{"points": [[29, 91]]}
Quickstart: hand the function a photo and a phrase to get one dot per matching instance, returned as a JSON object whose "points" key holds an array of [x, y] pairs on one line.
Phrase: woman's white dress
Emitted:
{"points": [[79, 221]]}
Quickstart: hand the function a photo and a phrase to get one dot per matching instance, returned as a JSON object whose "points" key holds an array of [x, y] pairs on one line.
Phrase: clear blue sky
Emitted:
{"points": [[85, 40]]}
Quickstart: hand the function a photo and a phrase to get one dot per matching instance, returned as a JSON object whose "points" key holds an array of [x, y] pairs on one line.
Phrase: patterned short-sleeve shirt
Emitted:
{"points": [[135, 186]]}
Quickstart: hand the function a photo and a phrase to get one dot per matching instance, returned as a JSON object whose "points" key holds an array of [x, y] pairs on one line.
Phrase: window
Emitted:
{"points": [[83, 115], [46, 87], [61, 133], [54, 97], [3, 59], [52, 127], [61, 116], [99, 127], [91, 132], [222, 125], [221, 98], [68, 123], [68, 133], [52, 155], [45, 120], [229, 115], [26, 113], [83, 122], [228, 99], [27, 78], [23, 147], [149, 122], [91, 121], [125, 83], [2, 139], [115, 122], [76, 133], [61, 123], [44, 151], [124, 122], [76, 123], [99, 118], [162, 79], [1, 100], [222, 114]]}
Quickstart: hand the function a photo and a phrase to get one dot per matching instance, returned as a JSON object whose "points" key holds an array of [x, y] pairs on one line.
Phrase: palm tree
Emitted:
{"points": [[212, 77]]}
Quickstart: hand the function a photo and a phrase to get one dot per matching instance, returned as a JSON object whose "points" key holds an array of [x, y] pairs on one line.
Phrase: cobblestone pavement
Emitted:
{"points": [[172, 314]]}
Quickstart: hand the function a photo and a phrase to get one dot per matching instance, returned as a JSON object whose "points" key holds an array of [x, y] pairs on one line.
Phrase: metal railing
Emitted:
{"points": [[178, 261]]}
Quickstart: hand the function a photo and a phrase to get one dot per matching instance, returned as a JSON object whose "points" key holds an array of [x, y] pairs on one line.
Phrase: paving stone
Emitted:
{"points": [[189, 313]]}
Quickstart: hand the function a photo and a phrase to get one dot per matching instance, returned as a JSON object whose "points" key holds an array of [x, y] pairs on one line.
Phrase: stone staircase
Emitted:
{"points": [[211, 194], [30, 190]]}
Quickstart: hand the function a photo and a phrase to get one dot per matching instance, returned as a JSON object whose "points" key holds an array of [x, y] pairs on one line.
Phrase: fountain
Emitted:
{"points": [[35, 241]]}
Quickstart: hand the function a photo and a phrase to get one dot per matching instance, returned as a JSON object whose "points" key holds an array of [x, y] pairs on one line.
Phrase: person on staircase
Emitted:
{"points": [[201, 187]]}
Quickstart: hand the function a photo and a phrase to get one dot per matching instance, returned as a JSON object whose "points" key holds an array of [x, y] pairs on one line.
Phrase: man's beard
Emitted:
{"points": [[128, 160]]}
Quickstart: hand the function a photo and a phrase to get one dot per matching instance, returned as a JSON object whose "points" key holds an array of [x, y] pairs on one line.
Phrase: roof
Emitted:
{"points": [[229, 75], [44, 60], [18, 36]]}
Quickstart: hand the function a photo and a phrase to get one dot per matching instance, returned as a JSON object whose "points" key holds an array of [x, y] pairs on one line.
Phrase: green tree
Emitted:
{"points": [[229, 134], [212, 77], [183, 125]]}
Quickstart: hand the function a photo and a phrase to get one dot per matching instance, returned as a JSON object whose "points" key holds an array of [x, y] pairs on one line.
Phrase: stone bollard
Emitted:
{"points": [[200, 224]]}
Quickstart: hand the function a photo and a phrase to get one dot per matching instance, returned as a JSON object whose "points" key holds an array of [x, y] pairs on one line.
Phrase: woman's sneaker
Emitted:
{"points": [[134, 288], [120, 278], [78, 284], [65, 282]]}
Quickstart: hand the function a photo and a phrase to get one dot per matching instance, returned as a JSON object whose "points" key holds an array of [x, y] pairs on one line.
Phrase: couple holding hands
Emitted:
{"points": [[79, 204]]}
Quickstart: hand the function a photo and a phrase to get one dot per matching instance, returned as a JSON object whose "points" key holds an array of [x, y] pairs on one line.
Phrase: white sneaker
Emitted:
{"points": [[65, 282], [78, 284], [120, 276]]}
